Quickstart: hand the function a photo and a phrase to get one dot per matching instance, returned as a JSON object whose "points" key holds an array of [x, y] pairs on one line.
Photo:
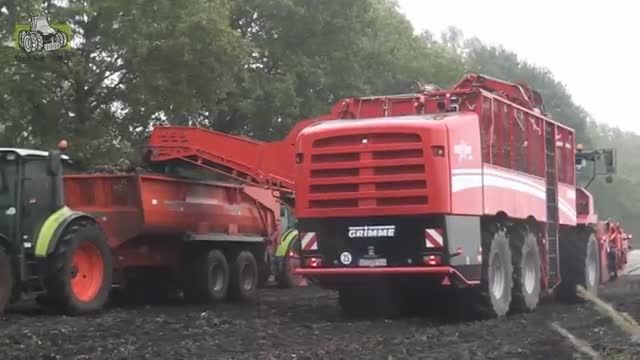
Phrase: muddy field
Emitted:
{"points": [[307, 324]]}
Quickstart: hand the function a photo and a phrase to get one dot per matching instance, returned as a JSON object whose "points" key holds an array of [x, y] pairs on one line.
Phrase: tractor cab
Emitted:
{"points": [[31, 189]]}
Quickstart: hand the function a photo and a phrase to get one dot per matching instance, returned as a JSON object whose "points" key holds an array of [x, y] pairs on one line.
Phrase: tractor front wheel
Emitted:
{"points": [[79, 271], [6, 280]]}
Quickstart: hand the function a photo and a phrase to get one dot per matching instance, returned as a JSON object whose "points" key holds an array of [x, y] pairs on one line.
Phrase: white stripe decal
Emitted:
{"points": [[463, 179]]}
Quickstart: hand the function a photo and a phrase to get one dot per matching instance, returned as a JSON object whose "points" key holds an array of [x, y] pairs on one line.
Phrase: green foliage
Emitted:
{"points": [[253, 67]]}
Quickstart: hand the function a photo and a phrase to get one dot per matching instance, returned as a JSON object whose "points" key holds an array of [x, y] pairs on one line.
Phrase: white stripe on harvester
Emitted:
{"points": [[463, 179]]}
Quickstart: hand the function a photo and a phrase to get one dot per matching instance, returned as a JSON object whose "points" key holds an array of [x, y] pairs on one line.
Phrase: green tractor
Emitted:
{"points": [[41, 239]]}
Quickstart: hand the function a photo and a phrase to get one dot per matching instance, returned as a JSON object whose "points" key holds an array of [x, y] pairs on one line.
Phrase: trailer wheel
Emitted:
{"points": [[497, 274], [6, 280], [78, 278], [580, 265], [207, 278], [526, 270], [244, 276]]}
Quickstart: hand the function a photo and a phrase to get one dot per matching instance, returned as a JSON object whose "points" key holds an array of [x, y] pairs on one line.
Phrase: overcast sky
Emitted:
{"points": [[593, 48]]}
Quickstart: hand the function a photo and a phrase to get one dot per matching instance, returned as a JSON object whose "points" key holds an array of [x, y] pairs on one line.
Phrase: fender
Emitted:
{"points": [[53, 228], [287, 238]]}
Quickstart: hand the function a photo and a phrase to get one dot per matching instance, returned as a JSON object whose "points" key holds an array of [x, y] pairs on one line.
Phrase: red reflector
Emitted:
{"points": [[314, 262], [432, 260]]}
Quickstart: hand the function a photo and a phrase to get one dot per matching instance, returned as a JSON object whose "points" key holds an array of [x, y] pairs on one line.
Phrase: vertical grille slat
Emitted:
{"points": [[389, 168]]}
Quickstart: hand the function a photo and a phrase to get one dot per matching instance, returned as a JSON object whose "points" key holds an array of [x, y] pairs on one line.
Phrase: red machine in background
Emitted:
{"points": [[397, 196]]}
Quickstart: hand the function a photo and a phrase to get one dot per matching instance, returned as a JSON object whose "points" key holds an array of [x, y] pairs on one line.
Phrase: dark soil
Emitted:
{"points": [[306, 323]]}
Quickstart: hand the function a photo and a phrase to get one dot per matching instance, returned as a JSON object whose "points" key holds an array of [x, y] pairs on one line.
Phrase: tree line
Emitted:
{"points": [[251, 67]]}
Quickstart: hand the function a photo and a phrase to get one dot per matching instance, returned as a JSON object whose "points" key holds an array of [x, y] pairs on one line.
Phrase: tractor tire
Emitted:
{"points": [[62, 38], [496, 282], [285, 277], [244, 277], [37, 41], [579, 265], [79, 272], [6, 280], [206, 278], [526, 270]]}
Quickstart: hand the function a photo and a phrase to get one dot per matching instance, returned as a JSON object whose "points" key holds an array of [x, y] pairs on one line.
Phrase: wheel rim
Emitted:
{"points": [[87, 272], [529, 272], [247, 277], [217, 277], [498, 276]]}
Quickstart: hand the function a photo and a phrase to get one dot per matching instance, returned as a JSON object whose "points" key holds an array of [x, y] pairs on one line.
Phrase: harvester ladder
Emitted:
{"points": [[552, 204]]}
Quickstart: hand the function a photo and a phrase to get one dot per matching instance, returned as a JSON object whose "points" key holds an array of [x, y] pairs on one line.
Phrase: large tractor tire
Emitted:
{"points": [[206, 279], [79, 272], [6, 280], [496, 282], [579, 265], [244, 277], [526, 270]]}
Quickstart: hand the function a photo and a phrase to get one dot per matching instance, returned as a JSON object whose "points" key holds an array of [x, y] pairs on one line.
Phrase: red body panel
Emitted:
{"points": [[390, 164], [145, 216]]}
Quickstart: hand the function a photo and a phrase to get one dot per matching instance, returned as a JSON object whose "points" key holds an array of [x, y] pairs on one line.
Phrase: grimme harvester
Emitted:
{"points": [[472, 187], [68, 238]]}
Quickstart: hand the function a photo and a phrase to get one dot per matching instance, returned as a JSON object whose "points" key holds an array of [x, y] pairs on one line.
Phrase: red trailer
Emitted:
{"points": [[472, 187], [181, 227]]}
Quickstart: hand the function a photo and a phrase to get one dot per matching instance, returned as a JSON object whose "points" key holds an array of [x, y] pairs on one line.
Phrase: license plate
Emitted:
{"points": [[372, 262]]}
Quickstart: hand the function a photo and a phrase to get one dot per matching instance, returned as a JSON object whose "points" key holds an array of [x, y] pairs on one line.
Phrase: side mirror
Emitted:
{"points": [[55, 163]]}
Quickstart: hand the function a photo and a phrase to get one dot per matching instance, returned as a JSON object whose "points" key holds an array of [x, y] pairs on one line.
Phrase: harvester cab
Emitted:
{"points": [[607, 156]]}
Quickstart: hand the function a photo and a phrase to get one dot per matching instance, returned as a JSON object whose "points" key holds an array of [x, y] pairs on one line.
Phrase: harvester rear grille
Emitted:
{"points": [[368, 170]]}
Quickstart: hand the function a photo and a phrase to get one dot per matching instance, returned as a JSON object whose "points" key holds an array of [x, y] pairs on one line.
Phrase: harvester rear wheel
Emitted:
{"points": [[244, 276], [579, 264], [207, 277], [497, 273], [526, 270], [78, 278], [6, 280]]}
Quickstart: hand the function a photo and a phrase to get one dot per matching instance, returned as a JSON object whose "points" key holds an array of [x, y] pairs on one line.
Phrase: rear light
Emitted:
{"points": [[432, 260], [313, 262]]}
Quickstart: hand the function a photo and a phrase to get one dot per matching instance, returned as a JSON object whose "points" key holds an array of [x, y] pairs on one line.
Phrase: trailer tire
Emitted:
{"points": [[497, 273], [207, 277], [244, 277], [526, 270], [79, 272], [580, 265], [6, 280]]}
